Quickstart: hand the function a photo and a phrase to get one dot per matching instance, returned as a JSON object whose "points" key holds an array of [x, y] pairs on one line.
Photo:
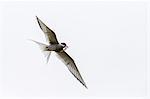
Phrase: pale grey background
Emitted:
{"points": [[107, 41]]}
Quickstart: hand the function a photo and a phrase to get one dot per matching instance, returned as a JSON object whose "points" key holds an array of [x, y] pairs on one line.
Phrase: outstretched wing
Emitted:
{"points": [[69, 62], [49, 34]]}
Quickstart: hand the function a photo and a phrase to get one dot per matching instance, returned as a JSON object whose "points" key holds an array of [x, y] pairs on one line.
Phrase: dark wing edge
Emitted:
{"points": [[69, 62], [49, 34]]}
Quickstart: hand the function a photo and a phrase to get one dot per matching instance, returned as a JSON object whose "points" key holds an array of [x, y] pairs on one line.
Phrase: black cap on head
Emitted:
{"points": [[63, 44]]}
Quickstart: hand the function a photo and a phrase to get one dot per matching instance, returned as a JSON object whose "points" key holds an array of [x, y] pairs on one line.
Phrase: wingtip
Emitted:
{"points": [[39, 21], [36, 17], [85, 86]]}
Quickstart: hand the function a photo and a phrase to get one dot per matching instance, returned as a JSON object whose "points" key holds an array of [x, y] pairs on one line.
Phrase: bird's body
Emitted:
{"points": [[59, 48], [54, 47]]}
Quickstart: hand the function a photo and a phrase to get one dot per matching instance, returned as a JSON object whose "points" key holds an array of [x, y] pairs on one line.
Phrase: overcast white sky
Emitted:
{"points": [[106, 39]]}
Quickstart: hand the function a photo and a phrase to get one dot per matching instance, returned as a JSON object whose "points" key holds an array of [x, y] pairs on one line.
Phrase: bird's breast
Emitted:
{"points": [[55, 47]]}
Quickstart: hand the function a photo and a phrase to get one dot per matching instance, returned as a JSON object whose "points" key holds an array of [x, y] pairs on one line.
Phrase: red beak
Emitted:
{"points": [[65, 47]]}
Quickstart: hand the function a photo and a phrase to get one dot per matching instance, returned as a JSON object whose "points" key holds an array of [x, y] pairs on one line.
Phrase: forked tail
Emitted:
{"points": [[44, 50]]}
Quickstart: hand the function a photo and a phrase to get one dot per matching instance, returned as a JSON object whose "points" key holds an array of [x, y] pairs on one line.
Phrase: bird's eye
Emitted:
{"points": [[46, 47]]}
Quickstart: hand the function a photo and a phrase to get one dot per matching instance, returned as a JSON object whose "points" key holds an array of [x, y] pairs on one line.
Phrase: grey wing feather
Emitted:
{"points": [[49, 34], [69, 62]]}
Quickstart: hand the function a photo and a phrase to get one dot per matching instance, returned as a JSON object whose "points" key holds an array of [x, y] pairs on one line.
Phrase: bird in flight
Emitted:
{"points": [[59, 49]]}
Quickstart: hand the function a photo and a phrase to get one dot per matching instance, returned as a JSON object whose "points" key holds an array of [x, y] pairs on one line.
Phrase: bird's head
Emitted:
{"points": [[64, 46]]}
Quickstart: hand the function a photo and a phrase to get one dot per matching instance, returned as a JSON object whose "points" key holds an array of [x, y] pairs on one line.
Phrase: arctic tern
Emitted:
{"points": [[59, 49]]}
